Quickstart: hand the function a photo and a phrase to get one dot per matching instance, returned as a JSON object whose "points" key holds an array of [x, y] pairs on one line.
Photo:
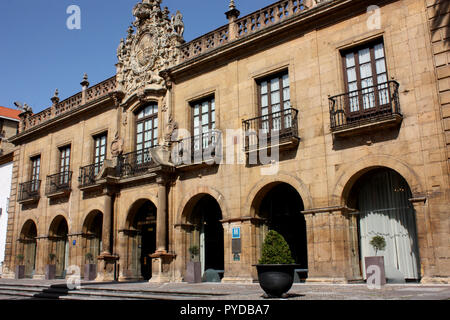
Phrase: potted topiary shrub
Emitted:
{"points": [[379, 244], [276, 267], [50, 269], [193, 267], [20, 268], [90, 268]]}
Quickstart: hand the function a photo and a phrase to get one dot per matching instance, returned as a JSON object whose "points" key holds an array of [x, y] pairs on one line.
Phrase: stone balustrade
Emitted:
{"points": [[245, 26], [59, 108]]}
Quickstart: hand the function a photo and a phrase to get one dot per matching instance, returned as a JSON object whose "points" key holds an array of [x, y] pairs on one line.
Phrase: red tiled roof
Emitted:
{"points": [[10, 113]]}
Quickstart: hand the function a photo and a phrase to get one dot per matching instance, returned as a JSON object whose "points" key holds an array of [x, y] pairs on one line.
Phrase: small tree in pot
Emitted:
{"points": [[194, 267], [20, 268], [50, 269], [90, 268], [276, 267], [376, 262]]}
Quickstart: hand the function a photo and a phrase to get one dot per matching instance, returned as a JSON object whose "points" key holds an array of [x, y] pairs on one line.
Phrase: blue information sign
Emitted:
{"points": [[236, 233]]}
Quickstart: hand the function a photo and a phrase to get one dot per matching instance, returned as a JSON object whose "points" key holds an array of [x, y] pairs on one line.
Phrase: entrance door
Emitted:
{"points": [[30, 258], [385, 210], [61, 247], [28, 240], [208, 234], [148, 247], [143, 241]]}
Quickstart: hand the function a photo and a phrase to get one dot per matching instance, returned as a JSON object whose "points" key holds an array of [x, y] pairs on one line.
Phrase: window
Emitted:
{"points": [[147, 127], [366, 79], [99, 152], [64, 164], [146, 132], [203, 123], [35, 172], [275, 103]]}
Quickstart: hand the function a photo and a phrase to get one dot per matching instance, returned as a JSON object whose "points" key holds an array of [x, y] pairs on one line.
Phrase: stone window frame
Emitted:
{"points": [[154, 116], [354, 48], [268, 78], [95, 138]]}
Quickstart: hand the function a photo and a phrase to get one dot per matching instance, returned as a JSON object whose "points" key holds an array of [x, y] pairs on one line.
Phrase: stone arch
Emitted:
{"points": [[87, 219], [188, 202], [28, 227], [348, 175], [133, 208], [55, 223], [259, 190]]}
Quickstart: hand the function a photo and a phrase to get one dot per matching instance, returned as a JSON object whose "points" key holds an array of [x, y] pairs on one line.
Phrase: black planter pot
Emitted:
{"points": [[276, 279]]}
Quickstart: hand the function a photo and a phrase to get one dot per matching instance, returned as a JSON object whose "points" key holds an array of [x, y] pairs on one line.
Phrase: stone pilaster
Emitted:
{"points": [[331, 246], [41, 258], [239, 267]]}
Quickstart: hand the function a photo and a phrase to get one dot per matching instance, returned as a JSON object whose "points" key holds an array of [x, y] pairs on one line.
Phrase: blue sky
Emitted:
{"points": [[38, 53]]}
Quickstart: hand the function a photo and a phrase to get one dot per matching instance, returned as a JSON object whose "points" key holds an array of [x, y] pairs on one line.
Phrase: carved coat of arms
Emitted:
{"points": [[151, 46]]}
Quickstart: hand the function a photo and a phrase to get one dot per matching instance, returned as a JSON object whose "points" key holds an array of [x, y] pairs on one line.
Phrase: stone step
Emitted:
{"points": [[60, 292]]}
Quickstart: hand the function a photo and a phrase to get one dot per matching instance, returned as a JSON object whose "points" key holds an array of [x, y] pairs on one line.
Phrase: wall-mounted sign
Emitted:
{"points": [[236, 233]]}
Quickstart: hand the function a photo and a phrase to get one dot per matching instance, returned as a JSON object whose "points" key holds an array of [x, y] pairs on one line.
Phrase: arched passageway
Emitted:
{"points": [[92, 233], [280, 206], [141, 239], [206, 237], [27, 248], [381, 197], [59, 245]]}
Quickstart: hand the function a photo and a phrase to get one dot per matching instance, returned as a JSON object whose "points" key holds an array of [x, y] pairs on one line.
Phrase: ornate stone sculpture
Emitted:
{"points": [[177, 23], [117, 146], [153, 47]]}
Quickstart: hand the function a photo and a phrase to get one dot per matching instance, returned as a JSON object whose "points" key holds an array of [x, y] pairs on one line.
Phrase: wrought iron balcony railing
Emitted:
{"points": [[135, 163], [29, 190], [60, 182], [271, 129], [368, 105], [198, 149], [88, 174]]}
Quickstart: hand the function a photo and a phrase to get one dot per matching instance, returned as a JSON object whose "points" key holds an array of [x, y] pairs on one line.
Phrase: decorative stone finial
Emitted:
{"points": [[232, 5], [55, 98], [85, 82]]}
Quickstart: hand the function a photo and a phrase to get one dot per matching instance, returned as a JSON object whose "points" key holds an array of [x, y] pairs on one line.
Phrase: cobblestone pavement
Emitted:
{"points": [[219, 291]]}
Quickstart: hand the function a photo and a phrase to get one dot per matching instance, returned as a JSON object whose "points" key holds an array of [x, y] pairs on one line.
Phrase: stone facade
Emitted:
{"points": [[224, 69]]}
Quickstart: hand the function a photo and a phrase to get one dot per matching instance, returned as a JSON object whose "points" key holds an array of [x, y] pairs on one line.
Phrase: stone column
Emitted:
{"points": [[161, 217], [106, 260], [106, 228], [161, 261]]}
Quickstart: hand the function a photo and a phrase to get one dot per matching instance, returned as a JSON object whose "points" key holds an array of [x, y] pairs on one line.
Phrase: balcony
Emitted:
{"points": [[29, 191], [58, 184], [364, 110], [135, 163], [200, 149], [278, 129], [88, 174]]}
